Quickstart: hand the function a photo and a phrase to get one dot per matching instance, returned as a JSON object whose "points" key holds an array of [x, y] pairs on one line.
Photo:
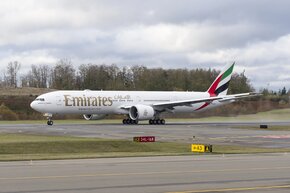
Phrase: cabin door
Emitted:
{"points": [[58, 101]]}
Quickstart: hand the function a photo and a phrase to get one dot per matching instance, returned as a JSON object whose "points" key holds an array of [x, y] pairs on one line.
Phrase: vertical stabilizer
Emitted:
{"points": [[221, 83]]}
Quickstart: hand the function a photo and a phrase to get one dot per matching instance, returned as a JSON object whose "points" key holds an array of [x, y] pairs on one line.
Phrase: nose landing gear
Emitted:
{"points": [[49, 118], [49, 122]]}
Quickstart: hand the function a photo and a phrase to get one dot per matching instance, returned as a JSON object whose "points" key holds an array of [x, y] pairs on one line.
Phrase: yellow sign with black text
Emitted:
{"points": [[201, 148]]}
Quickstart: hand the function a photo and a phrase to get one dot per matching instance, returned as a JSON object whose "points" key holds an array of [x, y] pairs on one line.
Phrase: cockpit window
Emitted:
{"points": [[39, 99]]}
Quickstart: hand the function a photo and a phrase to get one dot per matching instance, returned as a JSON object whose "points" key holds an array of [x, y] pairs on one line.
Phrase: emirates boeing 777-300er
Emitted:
{"points": [[136, 105]]}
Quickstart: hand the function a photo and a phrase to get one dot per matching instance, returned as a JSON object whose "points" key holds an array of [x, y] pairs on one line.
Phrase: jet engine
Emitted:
{"points": [[141, 112], [94, 116]]}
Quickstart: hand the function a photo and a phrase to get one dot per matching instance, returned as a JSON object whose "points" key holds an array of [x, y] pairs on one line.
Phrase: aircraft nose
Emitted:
{"points": [[33, 105]]}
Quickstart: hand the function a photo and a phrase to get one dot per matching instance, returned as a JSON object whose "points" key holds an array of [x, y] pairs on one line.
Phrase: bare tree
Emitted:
{"points": [[12, 72], [36, 77], [24, 81], [1, 82], [63, 75], [44, 74]]}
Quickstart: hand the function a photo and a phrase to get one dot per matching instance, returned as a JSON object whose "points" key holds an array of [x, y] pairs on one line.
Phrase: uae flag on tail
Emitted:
{"points": [[221, 84]]}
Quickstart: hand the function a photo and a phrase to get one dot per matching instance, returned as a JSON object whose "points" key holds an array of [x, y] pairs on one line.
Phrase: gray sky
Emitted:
{"points": [[154, 33]]}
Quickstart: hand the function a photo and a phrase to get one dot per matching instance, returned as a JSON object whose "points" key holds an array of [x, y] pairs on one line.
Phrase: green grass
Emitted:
{"points": [[227, 149], [37, 147], [26, 147], [274, 115]]}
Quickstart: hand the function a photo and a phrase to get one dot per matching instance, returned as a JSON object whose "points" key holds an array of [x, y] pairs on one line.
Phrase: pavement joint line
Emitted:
{"points": [[136, 173], [235, 189], [43, 163]]}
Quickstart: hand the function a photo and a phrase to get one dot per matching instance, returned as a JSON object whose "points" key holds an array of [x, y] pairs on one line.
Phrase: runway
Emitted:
{"points": [[222, 133], [182, 174]]}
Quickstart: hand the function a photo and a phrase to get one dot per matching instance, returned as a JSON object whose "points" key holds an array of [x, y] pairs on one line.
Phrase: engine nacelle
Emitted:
{"points": [[94, 116], [141, 112]]}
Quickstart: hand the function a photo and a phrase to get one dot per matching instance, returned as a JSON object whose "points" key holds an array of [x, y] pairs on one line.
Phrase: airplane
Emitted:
{"points": [[137, 105]]}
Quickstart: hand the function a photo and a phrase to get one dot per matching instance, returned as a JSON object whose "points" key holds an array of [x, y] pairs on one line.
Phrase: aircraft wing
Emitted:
{"points": [[239, 96], [171, 105], [177, 103]]}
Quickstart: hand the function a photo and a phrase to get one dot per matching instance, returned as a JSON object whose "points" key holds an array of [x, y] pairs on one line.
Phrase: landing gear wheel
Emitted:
{"points": [[157, 122], [49, 122], [130, 121], [49, 118]]}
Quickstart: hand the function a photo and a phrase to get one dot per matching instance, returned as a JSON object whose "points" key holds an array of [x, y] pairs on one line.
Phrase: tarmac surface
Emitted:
{"points": [[222, 133], [183, 174]]}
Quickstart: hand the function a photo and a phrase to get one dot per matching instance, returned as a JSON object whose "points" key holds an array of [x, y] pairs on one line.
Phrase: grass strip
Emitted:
{"points": [[232, 149], [27, 147], [39, 147]]}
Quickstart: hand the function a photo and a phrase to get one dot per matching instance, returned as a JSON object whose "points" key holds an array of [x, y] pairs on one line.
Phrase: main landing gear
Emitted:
{"points": [[157, 122], [130, 121], [151, 122]]}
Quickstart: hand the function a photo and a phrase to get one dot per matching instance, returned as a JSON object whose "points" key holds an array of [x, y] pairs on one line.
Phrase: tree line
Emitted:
{"points": [[63, 75]]}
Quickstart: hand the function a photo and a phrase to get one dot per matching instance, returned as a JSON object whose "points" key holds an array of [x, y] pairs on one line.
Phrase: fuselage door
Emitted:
{"points": [[58, 101], [138, 99], [174, 98]]}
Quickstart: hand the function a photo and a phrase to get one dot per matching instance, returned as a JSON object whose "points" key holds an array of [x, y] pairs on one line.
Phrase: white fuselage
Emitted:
{"points": [[114, 102]]}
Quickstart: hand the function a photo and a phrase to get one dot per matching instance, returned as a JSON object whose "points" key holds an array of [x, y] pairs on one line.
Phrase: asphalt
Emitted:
{"points": [[183, 174], [222, 133]]}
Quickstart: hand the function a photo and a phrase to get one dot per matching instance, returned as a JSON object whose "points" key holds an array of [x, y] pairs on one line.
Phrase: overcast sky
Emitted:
{"points": [[154, 33]]}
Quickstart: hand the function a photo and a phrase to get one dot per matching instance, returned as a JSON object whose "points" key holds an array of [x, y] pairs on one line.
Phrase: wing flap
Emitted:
{"points": [[239, 96]]}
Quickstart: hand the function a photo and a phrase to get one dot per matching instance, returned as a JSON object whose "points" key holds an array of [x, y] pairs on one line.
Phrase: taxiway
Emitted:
{"points": [[182, 174], [222, 133]]}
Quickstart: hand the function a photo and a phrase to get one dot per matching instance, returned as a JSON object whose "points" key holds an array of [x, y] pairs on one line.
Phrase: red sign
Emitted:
{"points": [[145, 139]]}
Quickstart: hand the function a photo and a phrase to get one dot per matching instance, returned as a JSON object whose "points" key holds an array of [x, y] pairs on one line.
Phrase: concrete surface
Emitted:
{"points": [[183, 174], [222, 133]]}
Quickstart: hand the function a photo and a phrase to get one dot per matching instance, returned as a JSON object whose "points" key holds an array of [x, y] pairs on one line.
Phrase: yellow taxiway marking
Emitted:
{"points": [[235, 189], [138, 173]]}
